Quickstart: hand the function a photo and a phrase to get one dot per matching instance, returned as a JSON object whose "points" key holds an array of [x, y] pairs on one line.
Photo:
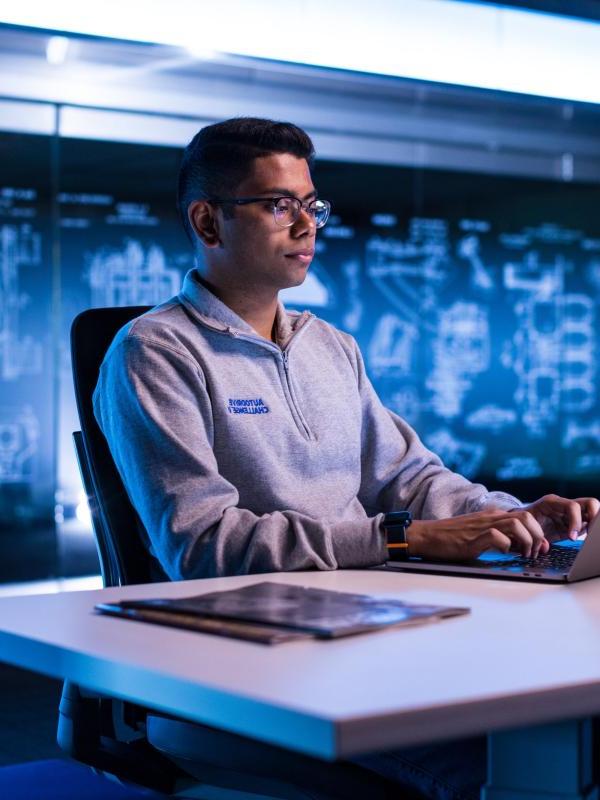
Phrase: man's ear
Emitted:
{"points": [[203, 219]]}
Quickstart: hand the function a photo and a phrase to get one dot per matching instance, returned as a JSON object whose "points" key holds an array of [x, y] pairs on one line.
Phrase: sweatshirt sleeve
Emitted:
{"points": [[399, 472], [154, 409]]}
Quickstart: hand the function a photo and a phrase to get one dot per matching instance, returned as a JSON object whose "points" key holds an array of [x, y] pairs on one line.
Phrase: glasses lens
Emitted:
{"points": [[320, 210], [286, 211]]}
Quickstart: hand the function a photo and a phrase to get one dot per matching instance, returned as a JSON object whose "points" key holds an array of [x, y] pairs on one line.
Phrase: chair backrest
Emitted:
{"points": [[124, 557]]}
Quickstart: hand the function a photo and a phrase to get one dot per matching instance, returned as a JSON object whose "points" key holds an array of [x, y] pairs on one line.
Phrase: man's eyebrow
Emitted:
{"points": [[288, 193]]}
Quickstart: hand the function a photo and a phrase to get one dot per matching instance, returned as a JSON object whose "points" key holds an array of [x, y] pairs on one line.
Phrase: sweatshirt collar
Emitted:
{"points": [[212, 311]]}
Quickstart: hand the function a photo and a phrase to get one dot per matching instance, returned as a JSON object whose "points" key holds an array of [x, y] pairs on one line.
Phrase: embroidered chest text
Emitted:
{"points": [[251, 406]]}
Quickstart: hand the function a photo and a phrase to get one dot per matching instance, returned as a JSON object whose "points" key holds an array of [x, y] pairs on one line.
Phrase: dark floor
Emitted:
{"points": [[28, 714]]}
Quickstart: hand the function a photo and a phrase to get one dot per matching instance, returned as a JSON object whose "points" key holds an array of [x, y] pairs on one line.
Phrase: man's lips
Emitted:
{"points": [[305, 255]]}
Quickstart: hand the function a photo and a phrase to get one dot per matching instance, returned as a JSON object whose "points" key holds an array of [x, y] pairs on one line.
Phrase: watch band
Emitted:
{"points": [[395, 524]]}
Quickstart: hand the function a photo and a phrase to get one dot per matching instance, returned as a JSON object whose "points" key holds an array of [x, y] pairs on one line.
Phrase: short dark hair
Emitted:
{"points": [[219, 156]]}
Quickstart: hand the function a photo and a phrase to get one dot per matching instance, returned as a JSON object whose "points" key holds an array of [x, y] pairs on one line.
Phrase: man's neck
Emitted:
{"points": [[258, 311]]}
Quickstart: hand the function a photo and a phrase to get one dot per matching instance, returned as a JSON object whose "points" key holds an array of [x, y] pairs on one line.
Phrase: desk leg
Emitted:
{"points": [[546, 762]]}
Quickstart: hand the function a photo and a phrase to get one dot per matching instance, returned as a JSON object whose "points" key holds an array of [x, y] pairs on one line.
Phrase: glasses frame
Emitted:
{"points": [[304, 206]]}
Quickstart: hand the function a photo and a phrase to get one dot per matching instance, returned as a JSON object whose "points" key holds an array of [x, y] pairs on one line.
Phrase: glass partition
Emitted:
{"points": [[27, 368], [120, 244], [474, 299]]}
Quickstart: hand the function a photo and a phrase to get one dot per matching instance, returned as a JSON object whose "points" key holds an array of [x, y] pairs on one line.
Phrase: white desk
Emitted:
{"points": [[527, 654]]}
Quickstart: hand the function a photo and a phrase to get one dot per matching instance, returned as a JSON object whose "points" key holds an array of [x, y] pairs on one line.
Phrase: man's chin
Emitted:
{"points": [[292, 283], [295, 278]]}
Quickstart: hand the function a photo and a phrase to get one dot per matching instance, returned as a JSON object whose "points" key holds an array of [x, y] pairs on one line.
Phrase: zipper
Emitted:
{"points": [[294, 407], [254, 339], [283, 356]]}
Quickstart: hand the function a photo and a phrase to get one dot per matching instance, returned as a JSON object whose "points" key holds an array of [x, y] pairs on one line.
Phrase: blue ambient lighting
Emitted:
{"points": [[444, 41]]}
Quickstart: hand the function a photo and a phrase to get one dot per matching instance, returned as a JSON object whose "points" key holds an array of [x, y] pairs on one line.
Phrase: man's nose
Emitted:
{"points": [[304, 223]]}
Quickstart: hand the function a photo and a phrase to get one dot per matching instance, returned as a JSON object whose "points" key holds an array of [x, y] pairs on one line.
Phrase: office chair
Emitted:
{"points": [[103, 732], [135, 743], [123, 556]]}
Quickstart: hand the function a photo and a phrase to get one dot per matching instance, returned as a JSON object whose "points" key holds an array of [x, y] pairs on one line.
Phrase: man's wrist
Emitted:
{"points": [[395, 525]]}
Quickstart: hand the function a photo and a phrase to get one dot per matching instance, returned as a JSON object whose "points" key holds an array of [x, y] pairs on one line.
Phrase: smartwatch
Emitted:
{"points": [[395, 524]]}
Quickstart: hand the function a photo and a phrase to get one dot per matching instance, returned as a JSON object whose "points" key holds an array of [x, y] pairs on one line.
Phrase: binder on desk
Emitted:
{"points": [[271, 613]]}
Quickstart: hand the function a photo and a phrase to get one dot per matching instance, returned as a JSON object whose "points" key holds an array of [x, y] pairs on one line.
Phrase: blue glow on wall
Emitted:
{"points": [[474, 300]]}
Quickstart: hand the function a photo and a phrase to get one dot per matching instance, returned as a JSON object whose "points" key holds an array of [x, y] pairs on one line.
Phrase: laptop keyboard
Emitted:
{"points": [[557, 559]]}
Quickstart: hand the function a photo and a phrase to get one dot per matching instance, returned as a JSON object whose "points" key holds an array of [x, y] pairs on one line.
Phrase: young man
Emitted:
{"points": [[250, 438]]}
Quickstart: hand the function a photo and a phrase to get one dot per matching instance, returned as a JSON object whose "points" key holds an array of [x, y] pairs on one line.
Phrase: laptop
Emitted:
{"points": [[566, 561]]}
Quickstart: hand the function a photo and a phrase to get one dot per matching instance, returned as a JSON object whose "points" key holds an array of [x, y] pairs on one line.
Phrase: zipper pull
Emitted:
{"points": [[284, 355]]}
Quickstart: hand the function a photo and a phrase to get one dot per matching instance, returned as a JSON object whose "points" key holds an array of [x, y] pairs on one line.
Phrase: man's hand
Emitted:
{"points": [[525, 530], [466, 537], [558, 516]]}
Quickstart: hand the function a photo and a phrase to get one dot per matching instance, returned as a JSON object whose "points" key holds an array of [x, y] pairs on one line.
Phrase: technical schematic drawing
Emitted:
{"points": [[582, 435], [20, 354], [581, 441], [392, 346], [474, 300], [404, 401], [592, 272], [407, 273], [519, 467], [19, 438], [459, 455], [553, 349], [491, 417], [531, 275], [353, 313], [578, 353], [461, 351], [468, 249], [586, 463], [131, 276]]}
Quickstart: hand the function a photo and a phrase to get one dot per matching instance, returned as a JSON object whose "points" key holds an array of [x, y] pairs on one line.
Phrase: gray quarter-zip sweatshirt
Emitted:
{"points": [[242, 455]]}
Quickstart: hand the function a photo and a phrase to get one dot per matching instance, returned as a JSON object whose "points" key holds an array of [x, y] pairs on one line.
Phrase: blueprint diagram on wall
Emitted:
{"points": [[19, 438], [474, 300], [115, 252], [21, 355], [479, 322], [26, 413], [118, 253], [20, 250], [131, 276]]}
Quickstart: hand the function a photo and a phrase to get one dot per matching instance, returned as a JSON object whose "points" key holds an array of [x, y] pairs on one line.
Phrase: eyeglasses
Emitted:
{"points": [[286, 210]]}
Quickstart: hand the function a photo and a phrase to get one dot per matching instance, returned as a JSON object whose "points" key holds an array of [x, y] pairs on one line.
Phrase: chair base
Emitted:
{"points": [[228, 760]]}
